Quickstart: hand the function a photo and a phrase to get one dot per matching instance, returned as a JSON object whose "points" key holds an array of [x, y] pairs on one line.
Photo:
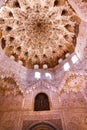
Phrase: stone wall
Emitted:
{"points": [[68, 111]]}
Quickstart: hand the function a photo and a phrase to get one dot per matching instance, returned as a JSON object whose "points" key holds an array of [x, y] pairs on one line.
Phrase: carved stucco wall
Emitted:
{"points": [[67, 90]]}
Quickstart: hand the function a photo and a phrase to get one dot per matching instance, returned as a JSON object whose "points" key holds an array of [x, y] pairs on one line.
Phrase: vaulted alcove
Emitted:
{"points": [[42, 126]]}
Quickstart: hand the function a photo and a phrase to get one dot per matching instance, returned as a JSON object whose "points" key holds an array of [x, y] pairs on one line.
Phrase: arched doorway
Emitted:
{"points": [[42, 126], [41, 102]]}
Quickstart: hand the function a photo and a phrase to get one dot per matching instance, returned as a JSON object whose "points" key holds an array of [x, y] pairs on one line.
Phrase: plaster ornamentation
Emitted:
{"points": [[36, 33]]}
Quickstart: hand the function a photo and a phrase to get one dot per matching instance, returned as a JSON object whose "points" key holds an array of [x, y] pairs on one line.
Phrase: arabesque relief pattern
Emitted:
{"points": [[33, 32]]}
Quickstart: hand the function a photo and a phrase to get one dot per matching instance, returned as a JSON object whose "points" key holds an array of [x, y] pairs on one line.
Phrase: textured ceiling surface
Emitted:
{"points": [[38, 32]]}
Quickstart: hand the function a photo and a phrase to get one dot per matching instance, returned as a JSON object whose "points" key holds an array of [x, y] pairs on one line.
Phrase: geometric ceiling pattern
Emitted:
{"points": [[38, 32]]}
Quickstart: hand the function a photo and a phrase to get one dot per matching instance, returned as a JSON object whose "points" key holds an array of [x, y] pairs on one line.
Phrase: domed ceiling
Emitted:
{"points": [[38, 31]]}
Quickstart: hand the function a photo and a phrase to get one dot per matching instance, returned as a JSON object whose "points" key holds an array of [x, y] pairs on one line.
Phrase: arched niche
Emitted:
{"points": [[41, 102], [42, 126]]}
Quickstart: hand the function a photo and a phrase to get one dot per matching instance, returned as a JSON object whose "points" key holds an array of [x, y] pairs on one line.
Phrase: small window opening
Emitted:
{"points": [[48, 75], [74, 59], [37, 75], [66, 66], [41, 102]]}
